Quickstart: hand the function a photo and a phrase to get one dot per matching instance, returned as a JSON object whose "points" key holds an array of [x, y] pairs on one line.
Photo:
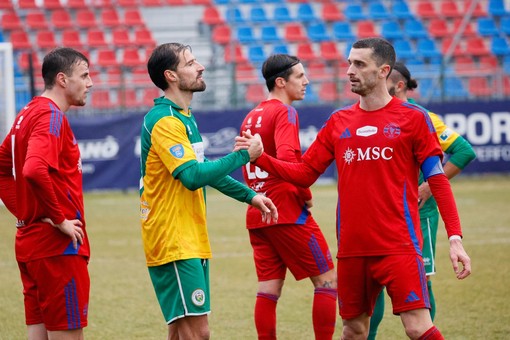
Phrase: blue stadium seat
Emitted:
{"points": [[377, 11], [269, 34], [427, 48], [311, 95], [401, 10], [497, 8], [403, 49], [454, 88], [342, 31], [280, 48], [234, 15], [506, 64], [281, 14], [318, 32], [258, 14], [487, 27], [391, 30], [256, 54], [415, 29], [306, 13], [354, 12], [504, 25], [245, 35], [500, 47]]}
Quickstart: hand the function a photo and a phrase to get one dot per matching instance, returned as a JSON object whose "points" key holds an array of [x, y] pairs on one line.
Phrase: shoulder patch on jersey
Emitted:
{"points": [[177, 151], [446, 134]]}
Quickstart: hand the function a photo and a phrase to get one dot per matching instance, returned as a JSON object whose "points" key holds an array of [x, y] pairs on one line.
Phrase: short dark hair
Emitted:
{"points": [[60, 59], [401, 68], [383, 51], [278, 65], [164, 57]]}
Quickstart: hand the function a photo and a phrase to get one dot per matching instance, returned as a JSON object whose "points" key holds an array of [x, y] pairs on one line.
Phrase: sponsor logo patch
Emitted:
{"points": [[366, 131], [198, 297], [177, 151]]}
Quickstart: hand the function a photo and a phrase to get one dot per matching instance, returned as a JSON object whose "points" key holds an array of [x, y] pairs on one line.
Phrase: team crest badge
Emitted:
{"points": [[391, 131], [177, 151], [198, 297]]}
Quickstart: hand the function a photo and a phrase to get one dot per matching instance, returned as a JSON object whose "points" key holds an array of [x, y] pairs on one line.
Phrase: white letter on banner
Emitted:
{"points": [[485, 123], [500, 127]]}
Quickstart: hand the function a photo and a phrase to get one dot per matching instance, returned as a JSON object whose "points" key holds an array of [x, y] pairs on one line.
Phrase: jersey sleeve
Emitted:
{"points": [[7, 184], [172, 145], [425, 142]]}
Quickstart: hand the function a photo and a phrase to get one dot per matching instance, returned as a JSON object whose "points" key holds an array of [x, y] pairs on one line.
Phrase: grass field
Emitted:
{"points": [[123, 304]]}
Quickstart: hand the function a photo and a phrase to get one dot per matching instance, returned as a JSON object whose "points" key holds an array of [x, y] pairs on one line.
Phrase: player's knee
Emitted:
{"points": [[326, 280], [414, 331], [355, 328]]}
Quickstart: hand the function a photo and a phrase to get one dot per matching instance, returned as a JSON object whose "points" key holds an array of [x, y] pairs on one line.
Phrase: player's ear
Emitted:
{"points": [[280, 82], [384, 71], [170, 75], [61, 79]]}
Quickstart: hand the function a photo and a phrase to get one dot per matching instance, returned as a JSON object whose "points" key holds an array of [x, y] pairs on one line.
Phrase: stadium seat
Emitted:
{"points": [[281, 14], [110, 17], [72, 38], [445, 47], [27, 4], [24, 61], [438, 28], [20, 40], [342, 31], [234, 54], [487, 27], [107, 58], [149, 94], [50, 4], [128, 3], [61, 19], [476, 46], [391, 30], [256, 54], [245, 35], [317, 70], [255, 93], [269, 34], [143, 37], [478, 10], [7, 5], [464, 65], [305, 52], [306, 13], [504, 25], [176, 2], [131, 57], [401, 10], [328, 91], [449, 9], [258, 14], [102, 99], [354, 11], [294, 32], [113, 76], [76, 4], [506, 64], [329, 51], [201, 2], [331, 13], [506, 86], [212, 16], [414, 29], [366, 29], [120, 37], [497, 8], [133, 18], [427, 48], [11, 21], [500, 46], [426, 9], [480, 87], [46, 40], [234, 15], [128, 98], [403, 49], [489, 63], [221, 34], [468, 29], [318, 32], [282, 48], [246, 73], [454, 88], [377, 11], [85, 18], [96, 38], [36, 20]]}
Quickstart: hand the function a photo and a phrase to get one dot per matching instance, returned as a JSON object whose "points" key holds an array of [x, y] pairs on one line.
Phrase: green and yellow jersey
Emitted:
{"points": [[173, 217]]}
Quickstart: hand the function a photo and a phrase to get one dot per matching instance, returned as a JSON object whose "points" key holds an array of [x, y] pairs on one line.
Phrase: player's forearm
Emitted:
{"points": [[232, 188], [461, 153], [442, 191], [201, 174], [297, 173]]}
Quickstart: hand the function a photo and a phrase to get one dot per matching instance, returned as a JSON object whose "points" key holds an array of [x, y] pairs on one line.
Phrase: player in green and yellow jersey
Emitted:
{"points": [[460, 154], [174, 173]]}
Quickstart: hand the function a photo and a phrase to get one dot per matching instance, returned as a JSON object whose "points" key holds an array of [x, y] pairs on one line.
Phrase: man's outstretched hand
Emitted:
{"points": [[266, 207], [252, 143]]}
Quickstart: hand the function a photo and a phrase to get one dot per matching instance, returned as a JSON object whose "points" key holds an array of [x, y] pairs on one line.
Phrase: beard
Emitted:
{"points": [[195, 86], [391, 90]]}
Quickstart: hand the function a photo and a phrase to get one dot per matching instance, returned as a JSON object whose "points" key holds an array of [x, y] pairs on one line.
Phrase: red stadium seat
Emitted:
{"points": [[23, 61], [6, 5], [131, 57], [107, 58], [11, 21], [128, 98], [468, 29], [488, 63], [51, 4], [102, 99], [20, 40], [438, 28], [201, 2], [318, 70], [36, 20], [234, 53], [85, 18], [46, 39], [458, 51], [128, 3], [212, 16], [331, 13], [175, 2], [426, 9], [27, 4], [366, 29], [61, 19], [329, 51], [149, 94], [143, 37], [449, 8], [294, 32], [479, 11], [480, 87], [255, 93], [96, 38], [221, 34], [76, 4], [120, 37], [305, 51], [110, 17], [476, 46], [329, 91], [464, 64], [132, 17], [72, 38], [151, 3]]}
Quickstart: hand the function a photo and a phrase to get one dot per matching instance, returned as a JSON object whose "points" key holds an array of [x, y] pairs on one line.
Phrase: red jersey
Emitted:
{"points": [[278, 126], [41, 143], [378, 155]]}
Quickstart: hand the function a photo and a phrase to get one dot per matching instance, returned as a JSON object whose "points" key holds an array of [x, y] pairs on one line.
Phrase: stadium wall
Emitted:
{"points": [[110, 145]]}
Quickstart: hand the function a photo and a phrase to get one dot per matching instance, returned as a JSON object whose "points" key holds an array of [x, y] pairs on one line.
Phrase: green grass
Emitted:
{"points": [[123, 304]]}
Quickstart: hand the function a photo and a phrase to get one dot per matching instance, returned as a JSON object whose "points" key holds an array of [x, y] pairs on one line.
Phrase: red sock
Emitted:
{"points": [[324, 313], [265, 316], [432, 334]]}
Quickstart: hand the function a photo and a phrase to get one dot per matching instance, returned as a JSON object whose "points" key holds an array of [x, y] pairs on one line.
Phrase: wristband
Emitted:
{"points": [[455, 237]]}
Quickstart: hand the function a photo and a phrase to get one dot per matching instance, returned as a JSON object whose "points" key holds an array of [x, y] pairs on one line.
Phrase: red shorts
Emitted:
{"points": [[361, 279], [56, 291], [301, 248]]}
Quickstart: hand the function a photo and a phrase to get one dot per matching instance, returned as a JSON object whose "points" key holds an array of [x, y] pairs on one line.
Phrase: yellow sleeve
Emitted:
{"points": [[445, 135]]}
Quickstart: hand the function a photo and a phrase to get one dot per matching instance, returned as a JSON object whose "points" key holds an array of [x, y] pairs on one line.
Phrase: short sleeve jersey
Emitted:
{"points": [[278, 126], [378, 155], [173, 218], [42, 130]]}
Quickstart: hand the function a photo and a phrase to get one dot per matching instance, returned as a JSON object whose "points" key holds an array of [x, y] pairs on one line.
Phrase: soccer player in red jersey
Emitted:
{"points": [[295, 241], [41, 185], [379, 145]]}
